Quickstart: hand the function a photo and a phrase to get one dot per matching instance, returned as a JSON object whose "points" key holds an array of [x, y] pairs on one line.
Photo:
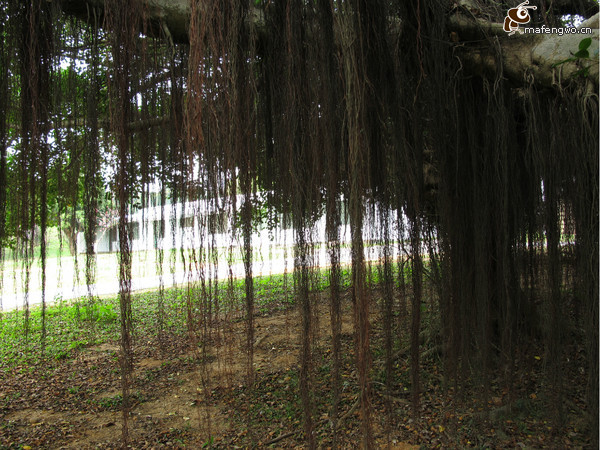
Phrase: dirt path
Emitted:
{"points": [[77, 403]]}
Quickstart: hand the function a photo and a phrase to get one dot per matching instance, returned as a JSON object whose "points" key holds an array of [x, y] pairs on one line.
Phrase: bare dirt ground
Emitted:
{"points": [[195, 396]]}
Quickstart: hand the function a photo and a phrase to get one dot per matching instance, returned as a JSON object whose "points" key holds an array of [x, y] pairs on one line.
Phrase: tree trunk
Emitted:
{"points": [[70, 232]]}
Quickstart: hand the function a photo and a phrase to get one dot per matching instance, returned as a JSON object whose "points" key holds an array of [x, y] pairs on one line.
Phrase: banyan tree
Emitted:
{"points": [[466, 155]]}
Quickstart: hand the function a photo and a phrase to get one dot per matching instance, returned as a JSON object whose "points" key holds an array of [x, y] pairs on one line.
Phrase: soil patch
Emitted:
{"points": [[194, 395]]}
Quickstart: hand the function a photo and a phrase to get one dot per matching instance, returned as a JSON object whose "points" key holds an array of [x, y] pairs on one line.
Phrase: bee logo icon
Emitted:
{"points": [[517, 16]]}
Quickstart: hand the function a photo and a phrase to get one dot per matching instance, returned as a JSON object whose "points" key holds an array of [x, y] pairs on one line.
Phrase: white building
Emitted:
{"points": [[179, 225], [191, 224]]}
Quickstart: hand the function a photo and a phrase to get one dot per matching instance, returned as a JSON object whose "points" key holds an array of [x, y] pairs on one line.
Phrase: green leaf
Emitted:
{"points": [[562, 62], [582, 54], [584, 44]]}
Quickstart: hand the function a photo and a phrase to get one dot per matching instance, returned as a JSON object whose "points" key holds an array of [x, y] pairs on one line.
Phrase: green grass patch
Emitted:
{"points": [[72, 326]]}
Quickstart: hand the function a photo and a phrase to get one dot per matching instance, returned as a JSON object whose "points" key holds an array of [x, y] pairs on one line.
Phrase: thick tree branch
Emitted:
{"points": [[546, 59], [523, 56], [133, 127], [139, 125], [175, 14]]}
